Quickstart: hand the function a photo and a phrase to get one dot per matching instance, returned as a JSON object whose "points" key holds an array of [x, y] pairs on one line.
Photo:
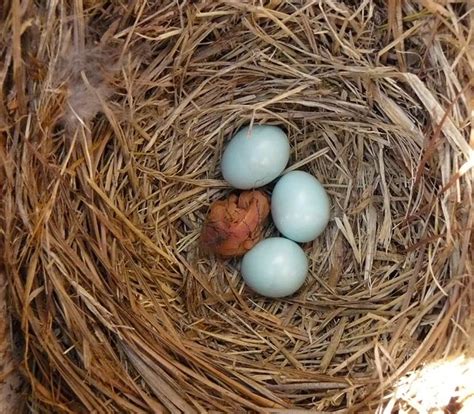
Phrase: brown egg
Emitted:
{"points": [[235, 225]]}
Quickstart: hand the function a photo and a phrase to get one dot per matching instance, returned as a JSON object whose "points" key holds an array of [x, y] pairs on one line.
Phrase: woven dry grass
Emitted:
{"points": [[113, 118]]}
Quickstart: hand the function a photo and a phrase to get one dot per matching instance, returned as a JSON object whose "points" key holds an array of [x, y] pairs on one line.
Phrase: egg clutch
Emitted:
{"points": [[299, 206]]}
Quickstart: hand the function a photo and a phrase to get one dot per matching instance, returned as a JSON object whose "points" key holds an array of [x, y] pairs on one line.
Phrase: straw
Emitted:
{"points": [[113, 119]]}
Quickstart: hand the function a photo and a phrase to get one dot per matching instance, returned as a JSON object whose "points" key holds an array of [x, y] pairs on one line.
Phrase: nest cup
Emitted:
{"points": [[113, 122]]}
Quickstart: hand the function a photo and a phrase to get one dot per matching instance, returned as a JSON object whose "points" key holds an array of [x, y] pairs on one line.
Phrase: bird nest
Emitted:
{"points": [[113, 119]]}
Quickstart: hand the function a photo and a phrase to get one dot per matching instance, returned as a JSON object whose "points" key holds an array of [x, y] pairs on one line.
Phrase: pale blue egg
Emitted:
{"points": [[254, 157], [300, 206], [275, 267]]}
